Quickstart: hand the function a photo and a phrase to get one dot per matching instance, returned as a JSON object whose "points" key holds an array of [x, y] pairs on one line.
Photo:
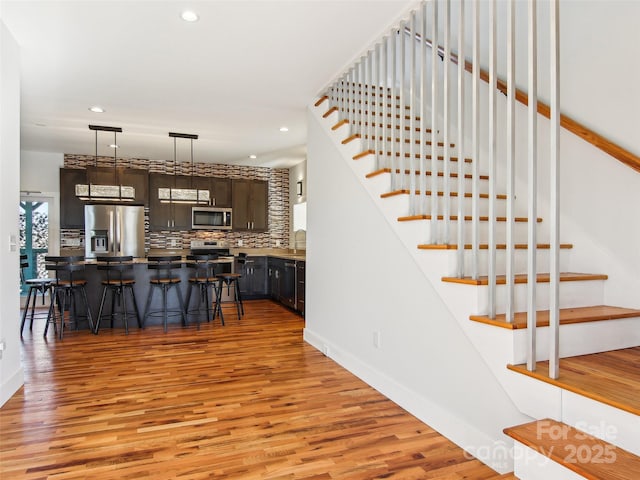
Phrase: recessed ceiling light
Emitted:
{"points": [[284, 129], [96, 109], [253, 157], [113, 145], [189, 16]]}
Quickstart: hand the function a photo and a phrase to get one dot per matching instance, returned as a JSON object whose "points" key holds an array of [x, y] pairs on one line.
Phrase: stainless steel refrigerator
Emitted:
{"points": [[114, 230]]}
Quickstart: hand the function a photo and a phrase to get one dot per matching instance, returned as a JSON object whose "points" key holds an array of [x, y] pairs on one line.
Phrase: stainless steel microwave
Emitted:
{"points": [[210, 218]]}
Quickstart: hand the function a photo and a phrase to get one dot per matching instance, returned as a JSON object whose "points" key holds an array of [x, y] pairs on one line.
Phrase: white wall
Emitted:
{"points": [[297, 173], [40, 171], [11, 374]]}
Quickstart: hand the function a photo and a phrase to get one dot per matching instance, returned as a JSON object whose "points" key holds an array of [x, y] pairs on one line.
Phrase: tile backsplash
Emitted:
{"points": [[279, 217]]}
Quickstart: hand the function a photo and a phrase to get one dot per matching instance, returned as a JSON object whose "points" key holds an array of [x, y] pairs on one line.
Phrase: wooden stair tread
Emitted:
{"points": [[485, 246], [506, 476], [329, 112], [560, 442], [567, 316], [382, 171], [499, 196], [320, 100], [350, 138], [467, 218], [522, 278], [612, 378]]}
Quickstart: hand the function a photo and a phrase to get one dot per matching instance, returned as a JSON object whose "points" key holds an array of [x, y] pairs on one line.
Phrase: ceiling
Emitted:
{"points": [[234, 77]]}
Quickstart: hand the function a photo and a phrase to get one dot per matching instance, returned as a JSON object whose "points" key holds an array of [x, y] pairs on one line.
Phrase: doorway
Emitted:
{"points": [[34, 235]]}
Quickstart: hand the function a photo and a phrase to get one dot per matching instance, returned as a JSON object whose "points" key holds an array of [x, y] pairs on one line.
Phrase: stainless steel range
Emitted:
{"points": [[210, 246]]}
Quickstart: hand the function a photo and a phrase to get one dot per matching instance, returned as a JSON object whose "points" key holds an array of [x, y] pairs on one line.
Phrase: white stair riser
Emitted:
{"points": [[519, 261], [581, 339], [519, 232], [423, 206], [572, 294], [608, 423], [530, 464], [404, 182]]}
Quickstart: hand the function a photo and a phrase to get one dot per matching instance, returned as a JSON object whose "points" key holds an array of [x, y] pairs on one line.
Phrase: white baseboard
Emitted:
{"points": [[11, 386]]}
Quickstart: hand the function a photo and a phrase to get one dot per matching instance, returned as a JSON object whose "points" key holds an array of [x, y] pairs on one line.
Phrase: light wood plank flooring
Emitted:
{"points": [[246, 401]]}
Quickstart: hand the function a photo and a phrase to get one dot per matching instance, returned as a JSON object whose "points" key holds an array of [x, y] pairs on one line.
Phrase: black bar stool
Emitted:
{"points": [[117, 284], [36, 285], [203, 280], [65, 286], [164, 280], [231, 280]]}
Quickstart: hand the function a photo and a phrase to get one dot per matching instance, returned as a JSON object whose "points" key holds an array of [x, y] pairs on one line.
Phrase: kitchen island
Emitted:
{"points": [[142, 275], [266, 273]]}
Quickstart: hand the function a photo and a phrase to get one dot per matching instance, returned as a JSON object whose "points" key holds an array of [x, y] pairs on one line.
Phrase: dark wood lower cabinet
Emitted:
{"points": [[253, 283], [282, 276], [300, 285]]}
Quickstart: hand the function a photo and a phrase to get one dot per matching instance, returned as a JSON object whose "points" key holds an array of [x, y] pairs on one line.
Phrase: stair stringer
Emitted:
{"points": [[499, 347]]}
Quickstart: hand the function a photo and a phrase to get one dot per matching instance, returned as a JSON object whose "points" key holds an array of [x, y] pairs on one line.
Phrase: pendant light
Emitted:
{"points": [[113, 192], [183, 195]]}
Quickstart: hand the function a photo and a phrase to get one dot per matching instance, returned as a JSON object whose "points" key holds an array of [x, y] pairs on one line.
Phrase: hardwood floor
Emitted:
{"points": [[249, 400]]}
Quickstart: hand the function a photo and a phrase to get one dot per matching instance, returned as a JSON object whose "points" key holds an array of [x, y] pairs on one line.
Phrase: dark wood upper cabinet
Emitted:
{"points": [[220, 191], [71, 207], [250, 205], [160, 214]]}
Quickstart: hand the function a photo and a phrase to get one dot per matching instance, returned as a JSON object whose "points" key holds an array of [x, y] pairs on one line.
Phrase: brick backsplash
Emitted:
{"points": [[279, 217]]}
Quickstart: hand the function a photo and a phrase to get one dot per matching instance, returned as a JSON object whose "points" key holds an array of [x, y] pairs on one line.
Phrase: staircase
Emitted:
{"points": [[587, 326]]}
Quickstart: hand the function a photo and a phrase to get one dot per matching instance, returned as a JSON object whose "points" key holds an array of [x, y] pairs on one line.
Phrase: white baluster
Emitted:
{"points": [[492, 158], [446, 96], [461, 132], [434, 123], [532, 164], [554, 182], [475, 134], [511, 155]]}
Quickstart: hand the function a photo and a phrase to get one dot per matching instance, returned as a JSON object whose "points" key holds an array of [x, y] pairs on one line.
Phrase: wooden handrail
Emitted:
{"points": [[588, 135]]}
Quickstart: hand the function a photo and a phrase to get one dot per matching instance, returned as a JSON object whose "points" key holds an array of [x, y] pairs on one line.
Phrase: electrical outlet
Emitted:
{"points": [[240, 243], [377, 339], [173, 242], [3, 346], [277, 243]]}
